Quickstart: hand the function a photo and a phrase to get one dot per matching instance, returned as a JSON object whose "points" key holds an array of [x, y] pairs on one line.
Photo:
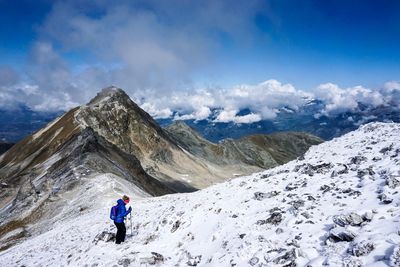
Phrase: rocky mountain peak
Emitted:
{"points": [[108, 95], [114, 116]]}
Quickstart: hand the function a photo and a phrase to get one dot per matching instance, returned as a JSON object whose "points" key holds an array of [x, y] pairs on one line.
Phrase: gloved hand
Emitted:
{"points": [[130, 208]]}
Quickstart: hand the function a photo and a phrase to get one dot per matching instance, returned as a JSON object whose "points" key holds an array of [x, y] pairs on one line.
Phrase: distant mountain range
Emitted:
{"points": [[22, 121], [17, 124], [305, 119]]}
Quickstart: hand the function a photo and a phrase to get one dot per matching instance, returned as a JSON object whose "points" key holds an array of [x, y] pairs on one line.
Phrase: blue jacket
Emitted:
{"points": [[121, 211]]}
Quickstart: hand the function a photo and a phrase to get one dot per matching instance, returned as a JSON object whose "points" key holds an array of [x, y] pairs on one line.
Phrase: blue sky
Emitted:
{"points": [[68, 50]]}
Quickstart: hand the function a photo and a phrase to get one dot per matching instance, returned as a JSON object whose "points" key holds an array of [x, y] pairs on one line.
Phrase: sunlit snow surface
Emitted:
{"points": [[230, 224]]}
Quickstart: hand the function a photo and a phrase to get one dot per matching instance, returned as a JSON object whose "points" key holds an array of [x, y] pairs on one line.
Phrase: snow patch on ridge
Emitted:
{"points": [[45, 129]]}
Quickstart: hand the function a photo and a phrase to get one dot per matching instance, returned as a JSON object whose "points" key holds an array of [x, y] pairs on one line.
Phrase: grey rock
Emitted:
{"points": [[273, 194], [375, 159], [175, 226], [352, 219], [306, 215], [392, 182], [275, 218], [384, 198], [291, 187], [260, 195], [343, 169], [124, 262], [357, 160], [339, 234], [351, 192], [363, 248], [368, 171], [193, 261], [325, 188], [386, 149], [155, 258], [253, 261], [310, 198], [296, 204], [395, 257], [288, 258], [368, 216], [322, 168], [105, 236], [352, 262]]}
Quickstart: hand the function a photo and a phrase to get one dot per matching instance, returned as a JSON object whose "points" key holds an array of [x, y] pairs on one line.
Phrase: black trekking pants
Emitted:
{"points": [[121, 232]]}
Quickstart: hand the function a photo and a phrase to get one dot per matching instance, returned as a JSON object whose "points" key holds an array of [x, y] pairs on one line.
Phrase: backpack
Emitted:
{"points": [[114, 212]]}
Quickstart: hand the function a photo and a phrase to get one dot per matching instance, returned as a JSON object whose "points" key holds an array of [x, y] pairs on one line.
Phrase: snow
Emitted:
{"points": [[45, 129], [279, 217]]}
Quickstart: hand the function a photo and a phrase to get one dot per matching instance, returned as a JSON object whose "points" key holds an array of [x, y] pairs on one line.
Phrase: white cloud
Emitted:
{"points": [[263, 101], [155, 44], [338, 100], [391, 91], [226, 116], [8, 76], [155, 112], [230, 116], [136, 45], [392, 86], [271, 93]]}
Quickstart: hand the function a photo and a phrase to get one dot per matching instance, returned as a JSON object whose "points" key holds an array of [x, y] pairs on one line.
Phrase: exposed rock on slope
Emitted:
{"points": [[326, 209], [264, 151]]}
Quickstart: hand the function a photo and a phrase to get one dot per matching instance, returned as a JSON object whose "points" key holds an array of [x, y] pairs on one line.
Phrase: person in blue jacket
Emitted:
{"points": [[119, 220]]}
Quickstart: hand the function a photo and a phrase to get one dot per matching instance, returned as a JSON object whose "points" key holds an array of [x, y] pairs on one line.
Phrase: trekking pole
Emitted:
{"points": [[130, 217]]}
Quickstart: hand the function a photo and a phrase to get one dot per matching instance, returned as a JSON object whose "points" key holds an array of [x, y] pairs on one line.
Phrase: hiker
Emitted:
{"points": [[120, 213]]}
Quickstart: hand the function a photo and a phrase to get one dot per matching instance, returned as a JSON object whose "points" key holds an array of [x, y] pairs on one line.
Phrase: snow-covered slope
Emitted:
{"points": [[337, 206]]}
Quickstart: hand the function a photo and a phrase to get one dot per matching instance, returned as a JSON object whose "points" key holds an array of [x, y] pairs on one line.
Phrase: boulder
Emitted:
{"points": [[339, 234], [275, 218], [363, 248], [105, 236], [154, 259], [253, 261], [125, 262], [395, 257], [392, 182], [193, 261], [357, 160], [368, 216], [288, 258], [352, 219], [260, 196], [384, 198]]}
